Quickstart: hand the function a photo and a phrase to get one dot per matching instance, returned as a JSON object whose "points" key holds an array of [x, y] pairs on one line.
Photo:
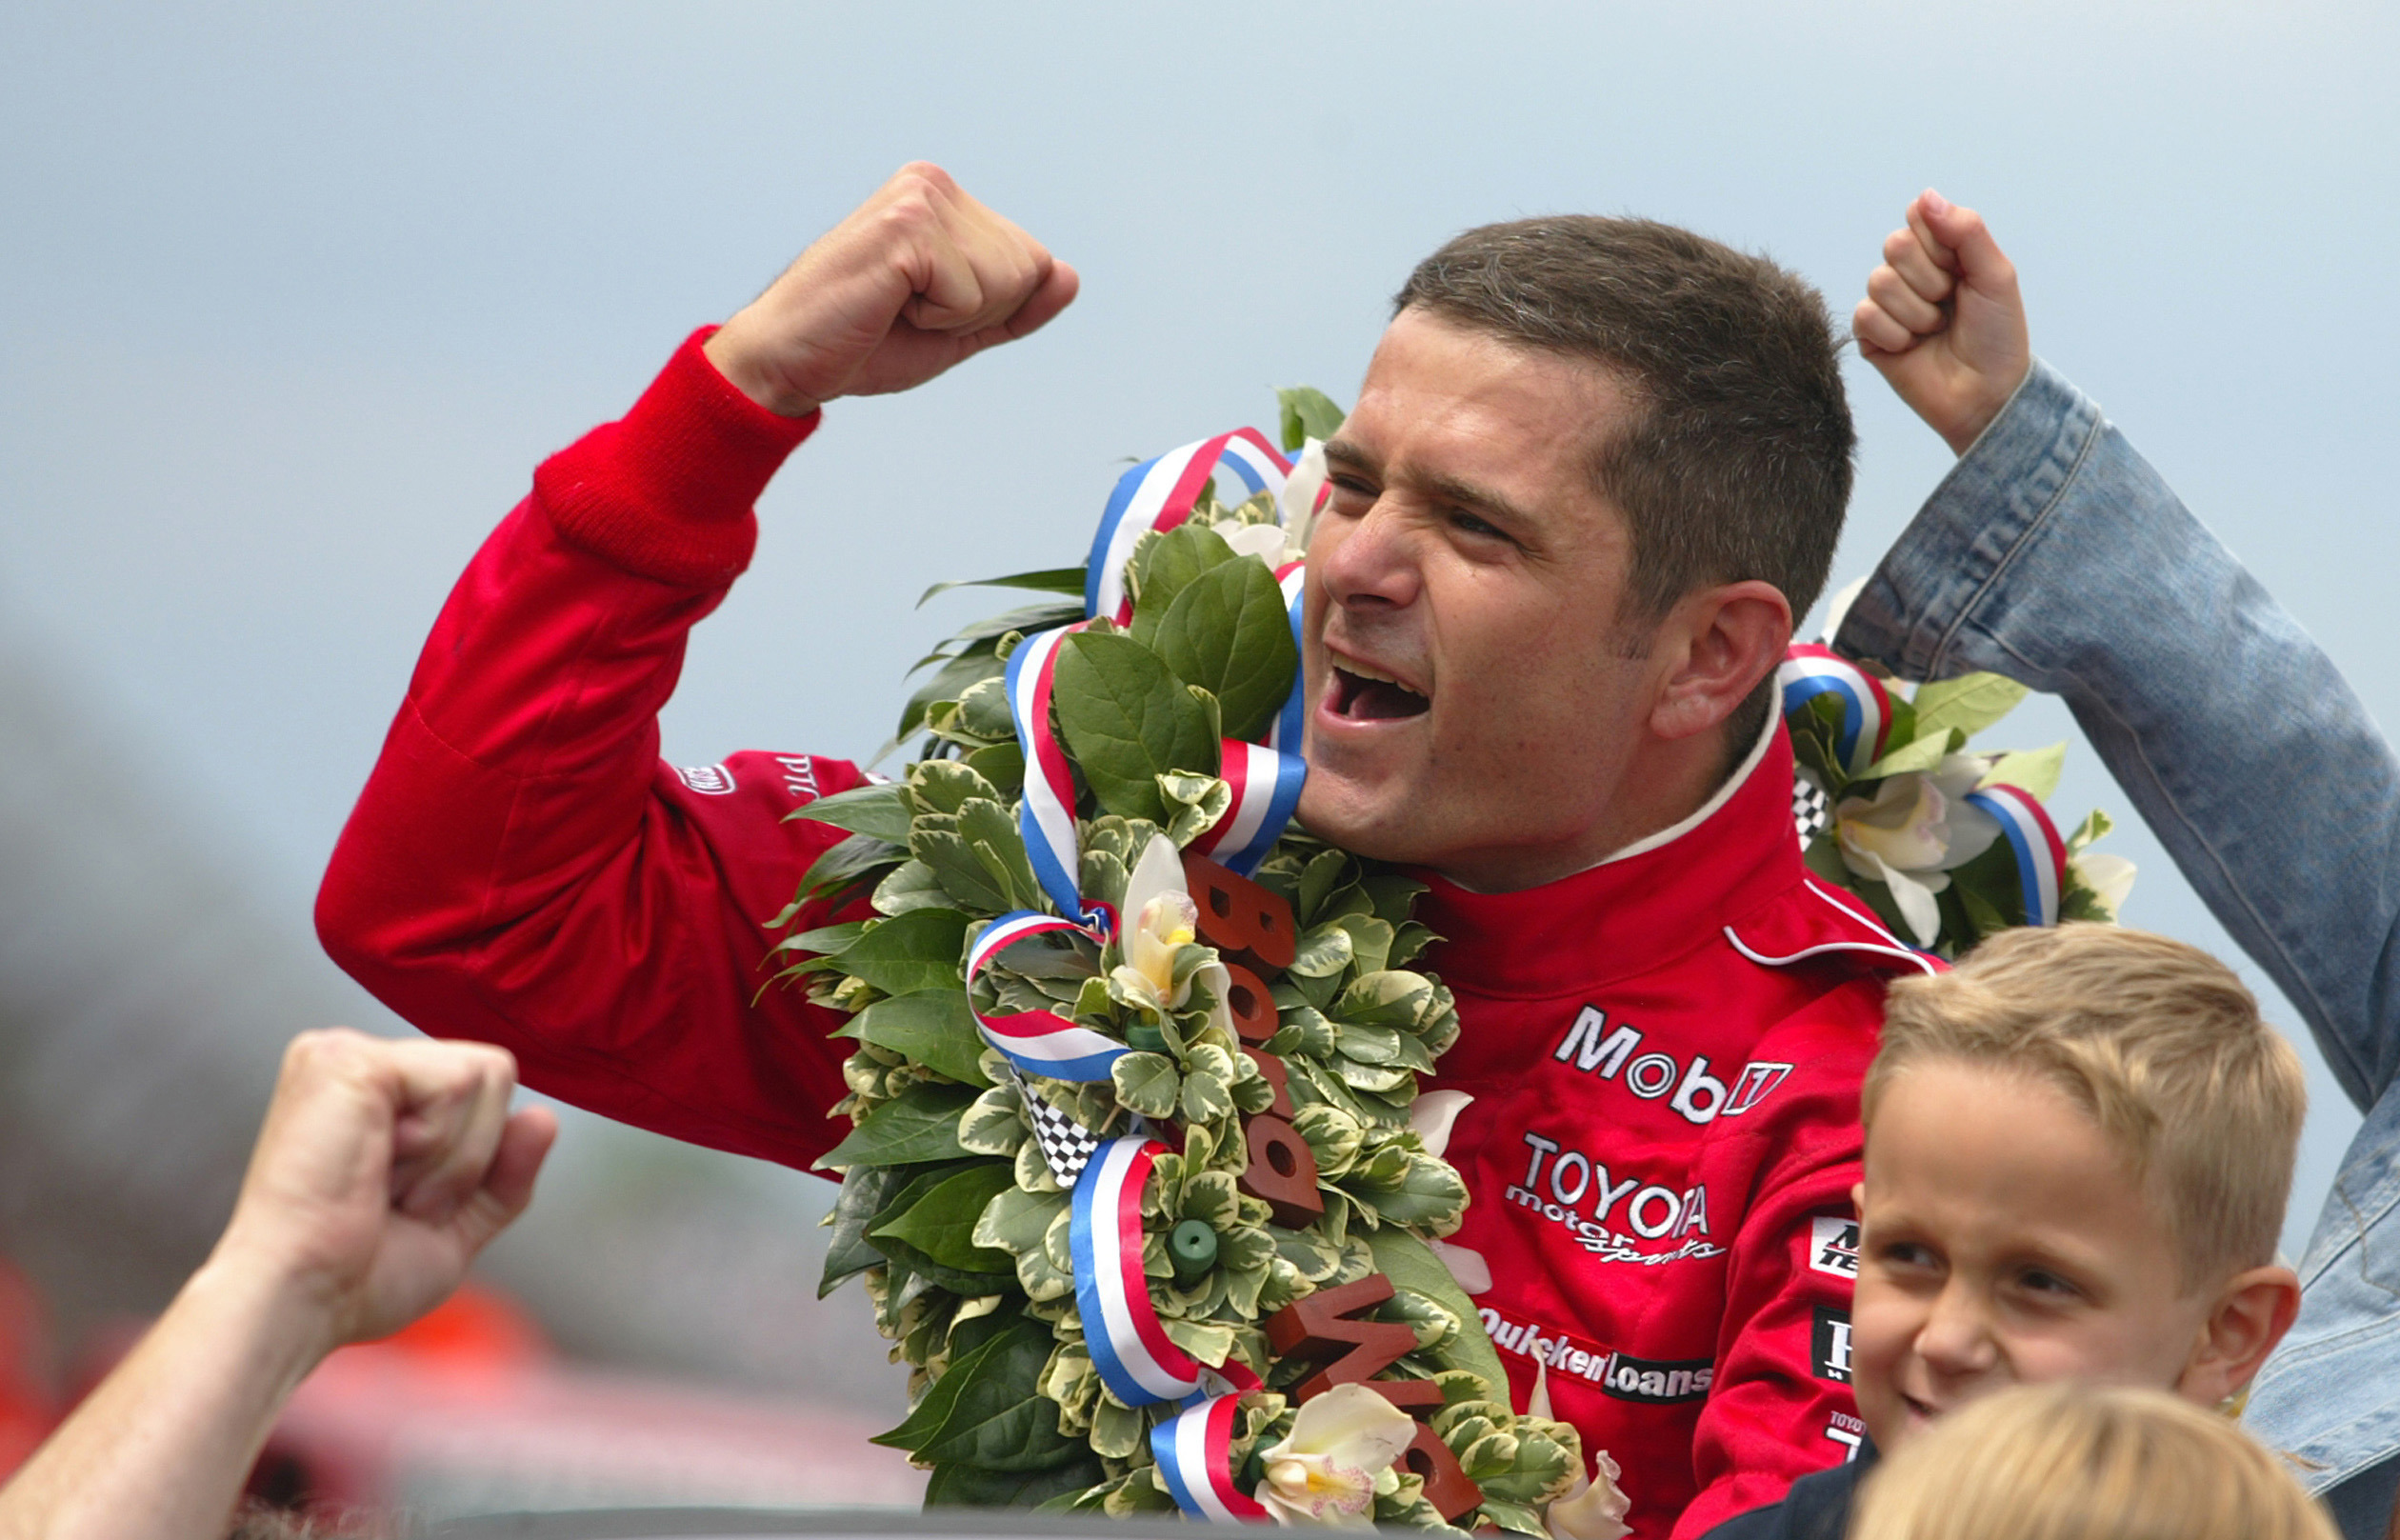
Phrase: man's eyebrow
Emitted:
{"points": [[1454, 490], [1480, 499]]}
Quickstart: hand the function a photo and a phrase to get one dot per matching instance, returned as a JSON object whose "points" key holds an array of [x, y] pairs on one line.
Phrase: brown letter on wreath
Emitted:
{"points": [[1282, 1170], [1274, 1072], [1446, 1485], [1321, 1326], [1250, 1003], [1239, 917]]}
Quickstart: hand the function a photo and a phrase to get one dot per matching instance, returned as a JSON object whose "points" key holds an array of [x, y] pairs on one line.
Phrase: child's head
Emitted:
{"points": [[2066, 1462], [2078, 1147]]}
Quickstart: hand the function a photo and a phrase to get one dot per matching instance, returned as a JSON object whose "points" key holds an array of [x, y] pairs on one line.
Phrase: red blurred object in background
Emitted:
{"points": [[469, 1411], [26, 1409]]}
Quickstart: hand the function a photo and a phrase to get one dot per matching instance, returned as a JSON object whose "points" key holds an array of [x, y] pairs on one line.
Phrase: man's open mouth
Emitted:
{"points": [[1362, 694]]}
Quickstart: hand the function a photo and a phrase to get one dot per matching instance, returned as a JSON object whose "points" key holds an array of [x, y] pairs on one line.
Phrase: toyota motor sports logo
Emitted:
{"points": [[1652, 1381], [1580, 1194]]}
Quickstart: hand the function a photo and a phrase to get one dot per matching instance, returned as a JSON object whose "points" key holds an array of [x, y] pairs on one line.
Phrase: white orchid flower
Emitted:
{"points": [[1917, 827], [1325, 1472], [1431, 1115], [1297, 502], [1590, 1510], [1264, 540], [1158, 920], [1466, 1266], [2109, 878]]}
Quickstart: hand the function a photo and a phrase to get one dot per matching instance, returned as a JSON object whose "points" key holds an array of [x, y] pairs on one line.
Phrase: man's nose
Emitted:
{"points": [[1956, 1340], [1367, 561]]}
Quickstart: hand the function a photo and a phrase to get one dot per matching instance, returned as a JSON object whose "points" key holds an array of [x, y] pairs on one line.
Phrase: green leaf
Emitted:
{"points": [[1128, 720], [1002, 764], [1205, 1098], [1230, 632], [958, 1485], [1432, 1194], [1410, 1263], [910, 953], [912, 884], [2031, 771], [2094, 827], [852, 861], [944, 786], [1924, 754], [993, 837], [1970, 703], [932, 1027], [1147, 1083], [920, 1124], [942, 1222], [1049, 580], [999, 1419], [881, 811], [956, 677], [963, 874], [1163, 564], [1307, 412], [865, 1189]]}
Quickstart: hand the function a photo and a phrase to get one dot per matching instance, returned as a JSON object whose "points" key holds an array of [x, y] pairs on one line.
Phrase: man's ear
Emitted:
{"points": [[2253, 1312], [1723, 640]]}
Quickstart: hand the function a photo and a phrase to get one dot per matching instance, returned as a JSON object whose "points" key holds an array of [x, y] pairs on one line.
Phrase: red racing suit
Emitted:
{"points": [[1664, 1050]]}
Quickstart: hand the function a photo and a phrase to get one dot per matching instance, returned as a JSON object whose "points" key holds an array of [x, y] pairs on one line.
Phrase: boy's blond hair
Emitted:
{"points": [[2082, 1462], [2157, 1041]]}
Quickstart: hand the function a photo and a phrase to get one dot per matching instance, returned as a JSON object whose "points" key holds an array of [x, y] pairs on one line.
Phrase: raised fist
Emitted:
{"points": [[919, 278], [382, 1168], [1943, 322]]}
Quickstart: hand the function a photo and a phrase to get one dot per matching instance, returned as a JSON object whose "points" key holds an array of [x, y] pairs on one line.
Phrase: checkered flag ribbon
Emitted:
{"points": [[1811, 813], [1066, 1145]]}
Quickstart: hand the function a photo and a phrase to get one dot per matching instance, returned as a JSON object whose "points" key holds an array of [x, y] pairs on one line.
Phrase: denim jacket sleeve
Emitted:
{"points": [[2055, 555]]}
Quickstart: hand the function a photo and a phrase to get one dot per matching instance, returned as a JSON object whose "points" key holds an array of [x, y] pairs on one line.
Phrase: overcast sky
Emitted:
{"points": [[293, 297]]}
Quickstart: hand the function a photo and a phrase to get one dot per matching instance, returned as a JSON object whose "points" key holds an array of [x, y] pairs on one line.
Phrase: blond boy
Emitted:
{"points": [[2078, 1147]]}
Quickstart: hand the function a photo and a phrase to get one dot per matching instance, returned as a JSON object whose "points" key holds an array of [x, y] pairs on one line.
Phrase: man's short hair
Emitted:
{"points": [[2157, 1041], [1737, 464]]}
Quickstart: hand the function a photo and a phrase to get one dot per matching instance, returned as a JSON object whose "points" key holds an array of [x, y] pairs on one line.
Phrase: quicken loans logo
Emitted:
{"points": [[1656, 1381]]}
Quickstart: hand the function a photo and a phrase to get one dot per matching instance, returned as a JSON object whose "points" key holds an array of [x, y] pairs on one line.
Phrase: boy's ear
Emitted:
{"points": [[2253, 1312]]}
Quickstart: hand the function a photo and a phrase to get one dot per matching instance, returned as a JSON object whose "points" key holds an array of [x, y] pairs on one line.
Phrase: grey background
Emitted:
{"points": [[292, 298]]}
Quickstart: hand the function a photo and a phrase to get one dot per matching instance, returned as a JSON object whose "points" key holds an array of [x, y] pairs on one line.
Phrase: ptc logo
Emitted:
{"points": [[708, 780], [1830, 1345]]}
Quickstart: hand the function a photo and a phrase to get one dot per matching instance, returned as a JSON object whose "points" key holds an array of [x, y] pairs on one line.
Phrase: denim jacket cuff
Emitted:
{"points": [[1995, 499]]}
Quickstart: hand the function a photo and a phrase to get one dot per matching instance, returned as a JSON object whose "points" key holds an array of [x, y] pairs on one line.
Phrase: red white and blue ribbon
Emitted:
{"points": [[1283, 735], [1038, 1042], [1158, 494], [1195, 1451], [1265, 788], [1265, 781], [2041, 856], [1810, 670], [1046, 814], [1137, 1361]]}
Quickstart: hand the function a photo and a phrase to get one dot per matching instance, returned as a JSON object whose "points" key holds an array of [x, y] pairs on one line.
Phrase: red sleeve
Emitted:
{"points": [[1780, 1406], [521, 868]]}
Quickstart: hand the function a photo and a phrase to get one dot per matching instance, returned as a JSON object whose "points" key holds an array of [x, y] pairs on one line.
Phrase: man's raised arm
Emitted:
{"points": [[2055, 554], [520, 867]]}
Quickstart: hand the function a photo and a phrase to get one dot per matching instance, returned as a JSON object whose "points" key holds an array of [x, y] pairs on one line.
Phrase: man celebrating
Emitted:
{"points": [[1595, 469]]}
